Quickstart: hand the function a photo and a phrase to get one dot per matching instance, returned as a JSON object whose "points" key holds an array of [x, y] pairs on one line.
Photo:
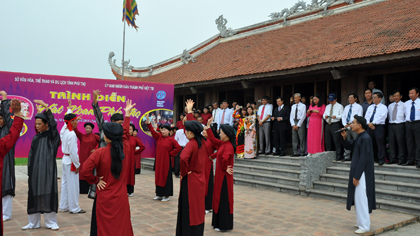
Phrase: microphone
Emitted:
{"points": [[341, 130]]}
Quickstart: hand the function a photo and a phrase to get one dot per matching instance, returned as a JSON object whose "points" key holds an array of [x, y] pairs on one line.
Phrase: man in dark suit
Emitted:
{"points": [[280, 117]]}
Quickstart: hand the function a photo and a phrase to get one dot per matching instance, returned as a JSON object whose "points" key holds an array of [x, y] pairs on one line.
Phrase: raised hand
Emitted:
{"points": [[69, 101], [3, 94], [128, 106], [148, 119], [42, 103], [96, 93], [190, 104], [16, 108], [209, 121]]}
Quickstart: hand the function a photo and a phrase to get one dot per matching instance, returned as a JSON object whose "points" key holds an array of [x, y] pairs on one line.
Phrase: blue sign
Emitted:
{"points": [[161, 94]]}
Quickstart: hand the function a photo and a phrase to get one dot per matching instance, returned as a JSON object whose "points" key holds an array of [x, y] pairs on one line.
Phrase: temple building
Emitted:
{"points": [[322, 47]]}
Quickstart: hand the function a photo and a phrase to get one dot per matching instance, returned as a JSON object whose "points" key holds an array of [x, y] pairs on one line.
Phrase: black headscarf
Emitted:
{"points": [[230, 132], [90, 124], [114, 132], [361, 120], [42, 116], [196, 128], [165, 126], [117, 117]]}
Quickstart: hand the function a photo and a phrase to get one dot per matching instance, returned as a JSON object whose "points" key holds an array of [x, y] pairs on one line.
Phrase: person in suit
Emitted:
{"points": [[376, 116], [396, 130], [297, 118], [412, 115], [280, 120]]}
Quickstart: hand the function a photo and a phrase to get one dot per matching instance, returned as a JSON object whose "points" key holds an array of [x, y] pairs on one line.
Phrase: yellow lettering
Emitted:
{"points": [[61, 95], [86, 96], [53, 94], [107, 98], [120, 98], [100, 97], [68, 94], [75, 96], [113, 97]]}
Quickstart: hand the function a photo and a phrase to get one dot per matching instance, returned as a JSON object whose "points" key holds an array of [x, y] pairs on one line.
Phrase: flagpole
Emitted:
{"points": [[125, 12]]}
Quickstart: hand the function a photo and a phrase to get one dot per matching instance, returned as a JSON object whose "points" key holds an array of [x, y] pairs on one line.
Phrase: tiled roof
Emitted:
{"points": [[383, 28]]}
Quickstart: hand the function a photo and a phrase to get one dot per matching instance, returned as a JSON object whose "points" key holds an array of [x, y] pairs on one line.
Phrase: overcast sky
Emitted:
{"points": [[74, 38]]}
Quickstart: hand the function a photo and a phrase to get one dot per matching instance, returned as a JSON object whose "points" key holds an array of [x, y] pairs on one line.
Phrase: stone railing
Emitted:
{"points": [[312, 167]]}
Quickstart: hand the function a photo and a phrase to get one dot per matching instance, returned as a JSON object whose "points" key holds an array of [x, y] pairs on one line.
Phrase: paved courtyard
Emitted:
{"points": [[257, 212]]}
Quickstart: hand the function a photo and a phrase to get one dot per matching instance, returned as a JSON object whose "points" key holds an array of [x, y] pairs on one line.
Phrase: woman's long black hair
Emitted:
{"points": [[320, 103]]}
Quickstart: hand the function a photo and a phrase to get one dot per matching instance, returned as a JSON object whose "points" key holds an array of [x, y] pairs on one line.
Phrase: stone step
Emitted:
{"points": [[266, 178], [380, 193], [279, 158], [147, 163], [266, 170], [266, 185], [379, 184], [382, 175], [279, 164], [385, 167], [380, 203]]}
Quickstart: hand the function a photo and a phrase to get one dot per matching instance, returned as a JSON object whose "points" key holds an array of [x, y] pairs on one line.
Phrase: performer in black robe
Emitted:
{"points": [[42, 171], [9, 180], [361, 187]]}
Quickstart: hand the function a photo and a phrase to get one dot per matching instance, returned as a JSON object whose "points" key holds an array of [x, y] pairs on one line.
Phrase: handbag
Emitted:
{"points": [[92, 188]]}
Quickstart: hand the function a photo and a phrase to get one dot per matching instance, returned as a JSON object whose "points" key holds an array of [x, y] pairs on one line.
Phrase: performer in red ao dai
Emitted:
{"points": [[210, 155], [134, 143], [111, 209], [89, 142], [166, 148], [193, 182], [223, 182], [9, 141]]}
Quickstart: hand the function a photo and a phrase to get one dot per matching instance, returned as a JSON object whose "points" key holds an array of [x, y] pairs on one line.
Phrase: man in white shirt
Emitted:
{"points": [[297, 118], [372, 85], [412, 115], [332, 116], [376, 116], [70, 163], [215, 112], [396, 130], [347, 118], [182, 140], [265, 111], [224, 116]]}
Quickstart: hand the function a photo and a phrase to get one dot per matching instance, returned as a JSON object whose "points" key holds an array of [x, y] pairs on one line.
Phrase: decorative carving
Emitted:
{"points": [[301, 6], [221, 26], [186, 57], [113, 63], [126, 66]]}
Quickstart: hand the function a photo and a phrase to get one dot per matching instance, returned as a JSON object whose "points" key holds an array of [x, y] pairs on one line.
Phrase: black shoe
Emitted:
{"points": [[401, 162], [346, 159], [276, 154], [408, 164], [283, 154], [176, 176], [296, 155], [391, 162], [381, 163], [418, 166], [303, 155]]}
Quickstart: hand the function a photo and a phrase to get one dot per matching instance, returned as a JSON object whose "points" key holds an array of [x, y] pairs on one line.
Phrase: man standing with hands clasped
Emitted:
{"points": [[361, 187]]}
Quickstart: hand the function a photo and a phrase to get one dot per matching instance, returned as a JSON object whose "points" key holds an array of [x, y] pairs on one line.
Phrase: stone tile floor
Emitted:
{"points": [[257, 212]]}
